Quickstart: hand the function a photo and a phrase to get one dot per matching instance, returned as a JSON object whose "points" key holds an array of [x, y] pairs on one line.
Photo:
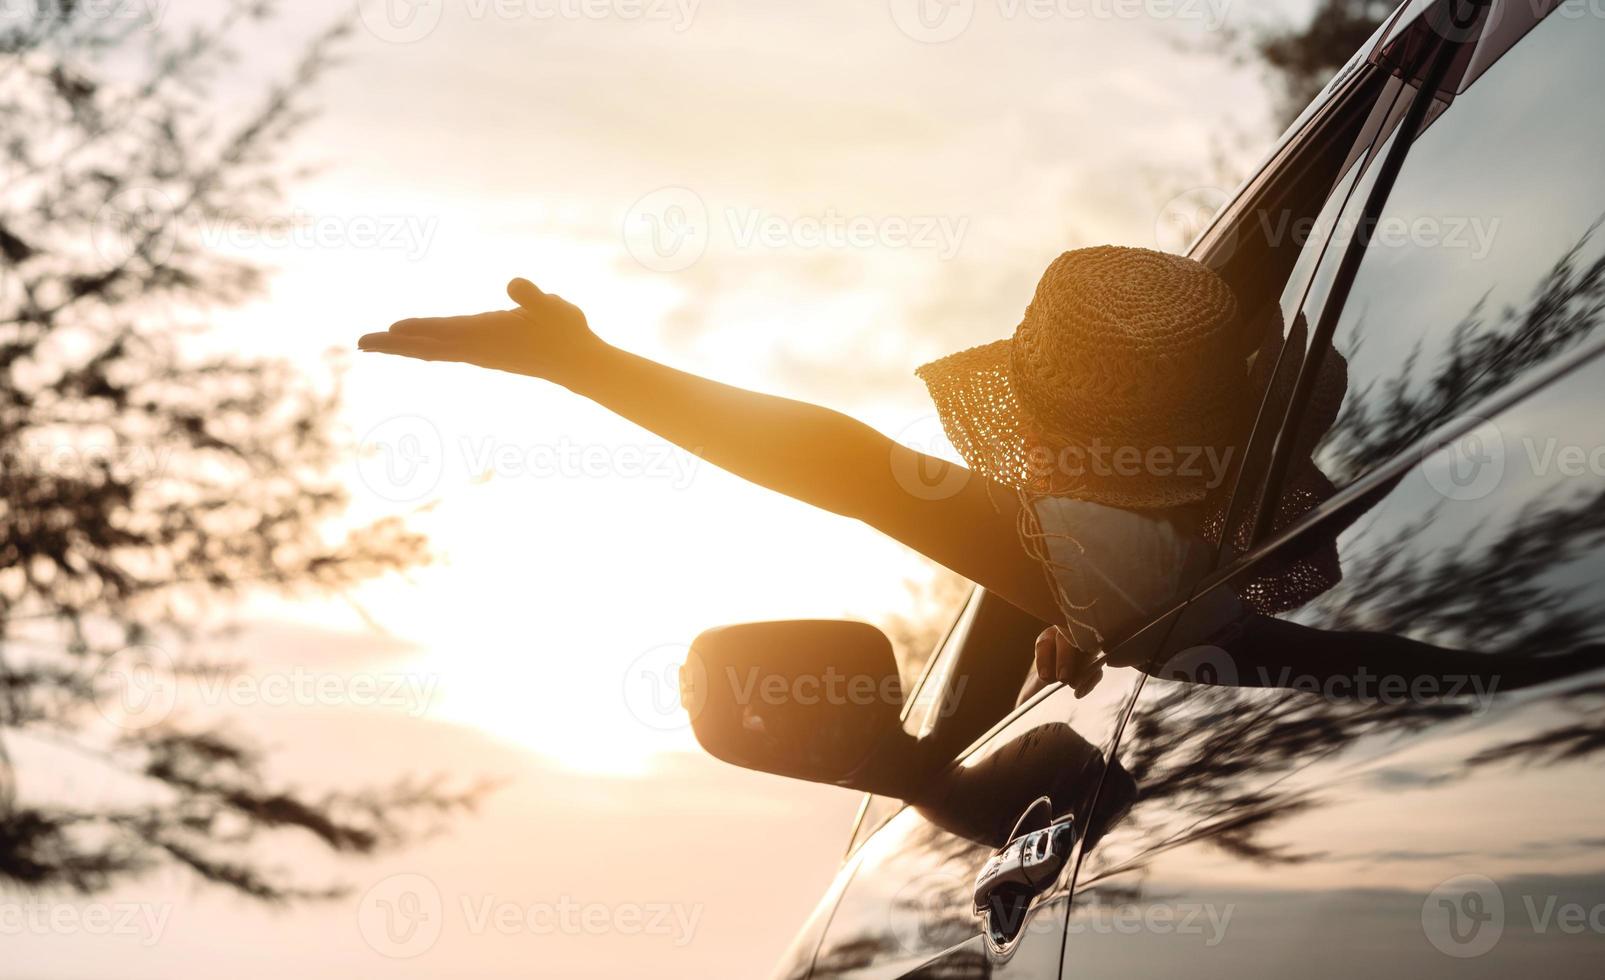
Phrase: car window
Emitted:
{"points": [[974, 681], [872, 815], [1401, 752], [1485, 263], [925, 706], [1266, 232], [968, 685], [936, 681], [1269, 254]]}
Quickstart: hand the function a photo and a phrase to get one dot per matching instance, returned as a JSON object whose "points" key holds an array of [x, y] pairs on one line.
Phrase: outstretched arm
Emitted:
{"points": [[950, 515]]}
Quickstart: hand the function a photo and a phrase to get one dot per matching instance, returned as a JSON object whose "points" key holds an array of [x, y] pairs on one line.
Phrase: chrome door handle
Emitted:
{"points": [[1025, 866]]}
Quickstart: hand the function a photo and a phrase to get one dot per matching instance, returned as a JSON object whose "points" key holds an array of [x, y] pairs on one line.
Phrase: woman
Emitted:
{"points": [[1094, 436]]}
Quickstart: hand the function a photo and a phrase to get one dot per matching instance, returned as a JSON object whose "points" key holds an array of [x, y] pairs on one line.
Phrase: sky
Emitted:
{"points": [[810, 199]]}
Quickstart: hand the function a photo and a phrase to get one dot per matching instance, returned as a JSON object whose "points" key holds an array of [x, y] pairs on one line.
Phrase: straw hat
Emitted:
{"points": [[1127, 370]]}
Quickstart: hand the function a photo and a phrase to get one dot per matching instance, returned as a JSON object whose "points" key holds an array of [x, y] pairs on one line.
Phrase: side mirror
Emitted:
{"points": [[819, 700]]}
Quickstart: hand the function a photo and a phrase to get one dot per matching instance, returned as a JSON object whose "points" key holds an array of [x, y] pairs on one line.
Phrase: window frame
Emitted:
{"points": [[1252, 482], [1423, 112], [946, 648], [1413, 59]]}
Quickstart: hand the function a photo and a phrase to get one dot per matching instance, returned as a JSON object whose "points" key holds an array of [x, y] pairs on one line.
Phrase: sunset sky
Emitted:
{"points": [[850, 200]]}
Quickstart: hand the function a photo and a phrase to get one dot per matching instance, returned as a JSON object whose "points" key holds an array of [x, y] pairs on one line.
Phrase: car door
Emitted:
{"points": [[903, 903], [1372, 745]]}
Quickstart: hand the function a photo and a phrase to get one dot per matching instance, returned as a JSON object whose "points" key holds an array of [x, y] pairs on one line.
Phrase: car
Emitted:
{"points": [[1370, 742]]}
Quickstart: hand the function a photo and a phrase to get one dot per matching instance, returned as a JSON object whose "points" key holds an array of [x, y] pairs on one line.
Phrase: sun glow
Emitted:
{"points": [[564, 604]]}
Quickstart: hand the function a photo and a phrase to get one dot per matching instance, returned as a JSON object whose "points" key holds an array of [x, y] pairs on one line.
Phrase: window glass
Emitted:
{"points": [[1405, 753], [1486, 264], [1276, 252], [1268, 246], [874, 814], [921, 713]]}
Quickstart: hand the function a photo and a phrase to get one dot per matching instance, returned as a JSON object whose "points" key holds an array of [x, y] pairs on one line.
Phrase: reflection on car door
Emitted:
{"points": [[1401, 778], [1399, 774]]}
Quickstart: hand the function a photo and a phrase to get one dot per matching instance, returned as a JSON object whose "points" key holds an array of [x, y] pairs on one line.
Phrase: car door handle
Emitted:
{"points": [[1026, 865]]}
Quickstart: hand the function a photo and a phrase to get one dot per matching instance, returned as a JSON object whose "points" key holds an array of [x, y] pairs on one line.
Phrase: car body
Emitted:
{"points": [[1371, 742]]}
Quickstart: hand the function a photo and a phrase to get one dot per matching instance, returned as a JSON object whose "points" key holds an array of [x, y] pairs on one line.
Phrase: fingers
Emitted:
{"points": [[1058, 659], [1077, 668], [1045, 654], [535, 303], [524, 293], [380, 342], [422, 348], [432, 338], [473, 338], [1087, 679], [1065, 657], [439, 327], [423, 326]]}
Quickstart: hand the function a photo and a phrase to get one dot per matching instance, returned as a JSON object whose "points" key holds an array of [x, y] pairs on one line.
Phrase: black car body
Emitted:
{"points": [[1397, 771]]}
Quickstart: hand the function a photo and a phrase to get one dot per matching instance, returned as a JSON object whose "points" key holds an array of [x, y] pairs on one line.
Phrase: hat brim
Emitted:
{"points": [[996, 435], [982, 417]]}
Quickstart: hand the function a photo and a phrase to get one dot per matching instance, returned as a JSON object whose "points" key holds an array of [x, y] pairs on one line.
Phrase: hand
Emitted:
{"points": [[546, 337], [1059, 660]]}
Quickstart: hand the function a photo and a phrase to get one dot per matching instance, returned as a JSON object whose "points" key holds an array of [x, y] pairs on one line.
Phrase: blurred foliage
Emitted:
{"points": [[915, 636], [146, 484], [1299, 58]]}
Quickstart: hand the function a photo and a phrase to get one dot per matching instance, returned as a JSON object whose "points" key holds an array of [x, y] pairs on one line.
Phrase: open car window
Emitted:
{"points": [[1269, 246]]}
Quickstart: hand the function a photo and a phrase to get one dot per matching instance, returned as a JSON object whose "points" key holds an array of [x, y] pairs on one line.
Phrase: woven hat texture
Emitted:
{"points": [[1127, 368]]}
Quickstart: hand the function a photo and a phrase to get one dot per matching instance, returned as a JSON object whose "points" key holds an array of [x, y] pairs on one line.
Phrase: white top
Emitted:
{"points": [[1116, 567]]}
